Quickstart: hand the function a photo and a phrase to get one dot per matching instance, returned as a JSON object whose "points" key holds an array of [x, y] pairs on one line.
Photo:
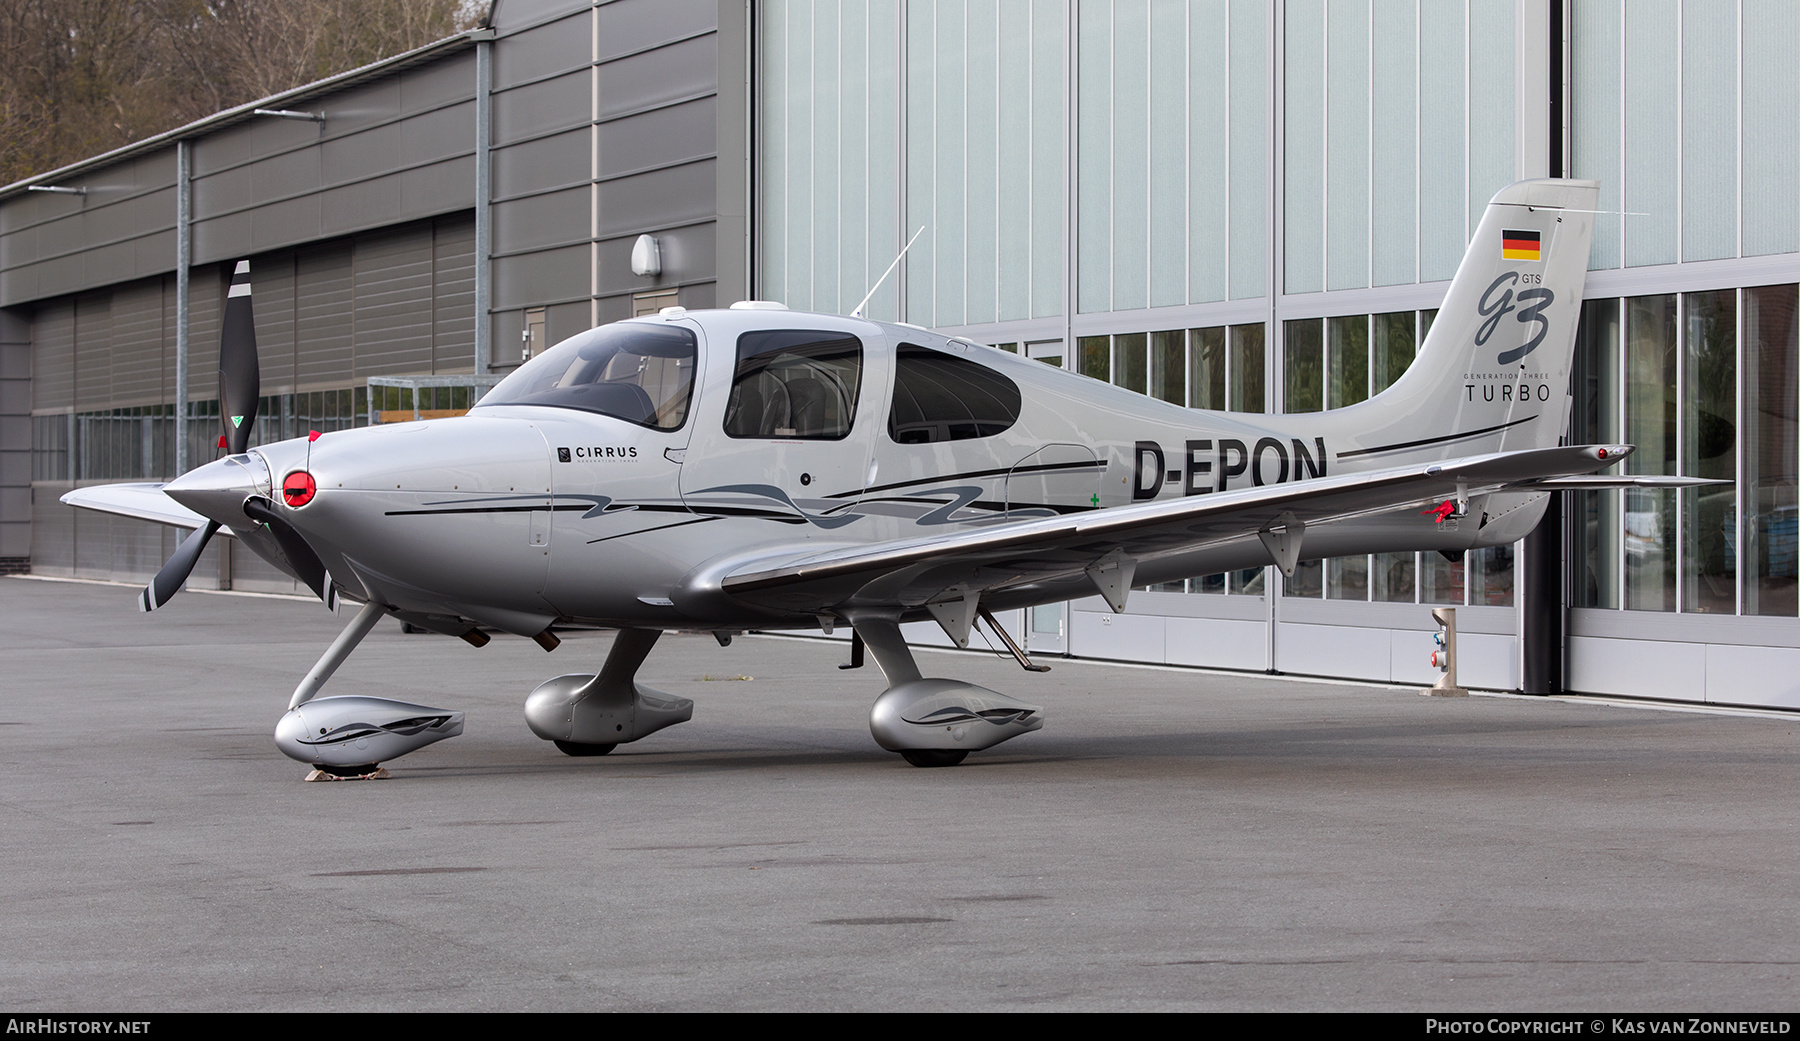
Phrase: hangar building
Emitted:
{"points": [[1222, 203]]}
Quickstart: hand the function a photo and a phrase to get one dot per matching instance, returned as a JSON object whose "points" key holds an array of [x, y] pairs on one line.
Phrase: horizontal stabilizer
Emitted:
{"points": [[1601, 482]]}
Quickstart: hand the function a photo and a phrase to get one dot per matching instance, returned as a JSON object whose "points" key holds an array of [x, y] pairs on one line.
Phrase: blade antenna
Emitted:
{"points": [[890, 270]]}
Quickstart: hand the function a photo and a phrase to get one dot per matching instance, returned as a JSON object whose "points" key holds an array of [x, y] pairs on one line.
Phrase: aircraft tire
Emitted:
{"points": [[576, 748], [928, 757]]}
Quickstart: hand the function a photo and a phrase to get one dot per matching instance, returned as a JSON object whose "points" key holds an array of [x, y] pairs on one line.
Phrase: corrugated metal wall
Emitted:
{"points": [[394, 302]]}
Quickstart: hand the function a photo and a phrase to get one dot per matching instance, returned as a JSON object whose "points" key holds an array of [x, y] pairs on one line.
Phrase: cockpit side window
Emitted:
{"points": [[639, 372], [795, 383], [940, 397]]}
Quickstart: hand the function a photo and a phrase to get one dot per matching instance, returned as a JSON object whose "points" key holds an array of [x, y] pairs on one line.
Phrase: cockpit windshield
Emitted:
{"points": [[640, 372]]}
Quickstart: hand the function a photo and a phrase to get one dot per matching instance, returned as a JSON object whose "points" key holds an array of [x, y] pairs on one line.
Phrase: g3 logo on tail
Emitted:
{"points": [[1530, 305]]}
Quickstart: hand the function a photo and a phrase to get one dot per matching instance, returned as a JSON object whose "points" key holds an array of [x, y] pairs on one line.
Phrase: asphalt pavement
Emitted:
{"points": [[1172, 839]]}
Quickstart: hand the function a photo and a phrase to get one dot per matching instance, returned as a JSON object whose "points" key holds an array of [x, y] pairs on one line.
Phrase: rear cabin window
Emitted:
{"points": [[940, 397], [795, 383]]}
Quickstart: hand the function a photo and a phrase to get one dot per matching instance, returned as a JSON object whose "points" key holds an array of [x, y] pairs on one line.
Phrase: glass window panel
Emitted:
{"points": [[1771, 150], [1394, 142], [1249, 152], [1128, 362], [1206, 368], [1347, 578], [1129, 126], [1164, 149], [1168, 366], [1347, 144], [1209, 34], [1491, 576], [1392, 348], [1770, 463], [1650, 424], [1594, 124], [1048, 158], [1245, 391], [1308, 580], [1093, 159], [1443, 147], [1096, 357], [1709, 449], [1652, 117], [1709, 131], [1440, 579], [1303, 382], [1304, 149], [1492, 103], [1208, 584], [1248, 581], [1348, 354], [1391, 577], [1594, 419]]}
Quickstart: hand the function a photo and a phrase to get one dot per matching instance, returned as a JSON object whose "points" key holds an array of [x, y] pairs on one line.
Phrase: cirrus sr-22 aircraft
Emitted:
{"points": [[761, 468]]}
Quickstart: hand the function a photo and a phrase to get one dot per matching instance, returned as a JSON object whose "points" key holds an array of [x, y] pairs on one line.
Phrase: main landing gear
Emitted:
{"points": [[935, 722], [589, 715], [930, 722]]}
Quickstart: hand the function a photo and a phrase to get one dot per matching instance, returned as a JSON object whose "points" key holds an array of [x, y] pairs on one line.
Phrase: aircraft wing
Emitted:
{"points": [[138, 501], [1107, 544]]}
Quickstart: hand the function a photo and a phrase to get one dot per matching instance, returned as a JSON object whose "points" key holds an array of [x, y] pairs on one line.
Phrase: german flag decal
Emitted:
{"points": [[1520, 245]]}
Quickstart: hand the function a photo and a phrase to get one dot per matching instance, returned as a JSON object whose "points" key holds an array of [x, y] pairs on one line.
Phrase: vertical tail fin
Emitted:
{"points": [[1493, 372]]}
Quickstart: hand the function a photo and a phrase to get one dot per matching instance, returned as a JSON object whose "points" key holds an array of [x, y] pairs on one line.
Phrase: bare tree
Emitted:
{"points": [[79, 77]]}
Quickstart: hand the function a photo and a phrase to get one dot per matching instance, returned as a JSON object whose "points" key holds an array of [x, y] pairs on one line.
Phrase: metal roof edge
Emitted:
{"points": [[240, 113]]}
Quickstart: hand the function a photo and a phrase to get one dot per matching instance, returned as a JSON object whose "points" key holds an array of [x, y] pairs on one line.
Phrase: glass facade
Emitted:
{"points": [[1704, 385], [1255, 207]]}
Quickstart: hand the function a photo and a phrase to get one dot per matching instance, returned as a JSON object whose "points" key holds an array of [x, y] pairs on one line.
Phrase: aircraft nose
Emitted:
{"points": [[218, 489]]}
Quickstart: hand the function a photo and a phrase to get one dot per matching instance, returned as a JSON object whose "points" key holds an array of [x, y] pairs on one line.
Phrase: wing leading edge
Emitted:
{"points": [[137, 501], [1108, 544]]}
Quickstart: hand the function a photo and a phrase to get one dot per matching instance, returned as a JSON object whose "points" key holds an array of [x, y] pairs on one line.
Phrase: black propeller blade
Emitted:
{"points": [[240, 381], [168, 581], [239, 388], [294, 546]]}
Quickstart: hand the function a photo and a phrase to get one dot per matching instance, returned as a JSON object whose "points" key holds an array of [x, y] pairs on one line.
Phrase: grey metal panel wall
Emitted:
{"points": [[680, 70], [52, 531], [395, 149], [206, 304], [138, 343], [53, 355], [640, 121], [323, 308], [272, 302], [453, 306], [93, 350], [627, 26], [659, 199], [15, 435], [122, 229], [548, 163], [392, 286], [662, 137]]}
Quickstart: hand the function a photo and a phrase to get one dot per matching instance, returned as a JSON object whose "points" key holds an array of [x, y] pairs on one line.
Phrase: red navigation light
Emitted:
{"points": [[297, 488]]}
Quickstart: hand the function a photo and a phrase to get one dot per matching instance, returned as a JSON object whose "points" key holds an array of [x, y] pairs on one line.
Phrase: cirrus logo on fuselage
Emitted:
{"points": [[564, 455]]}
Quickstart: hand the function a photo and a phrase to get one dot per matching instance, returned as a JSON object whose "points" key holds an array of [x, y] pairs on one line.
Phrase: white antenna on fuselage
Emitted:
{"points": [[890, 270]]}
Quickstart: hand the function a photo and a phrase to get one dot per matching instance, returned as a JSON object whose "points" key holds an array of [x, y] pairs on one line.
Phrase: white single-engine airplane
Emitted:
{"points": [[760, 468]]}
